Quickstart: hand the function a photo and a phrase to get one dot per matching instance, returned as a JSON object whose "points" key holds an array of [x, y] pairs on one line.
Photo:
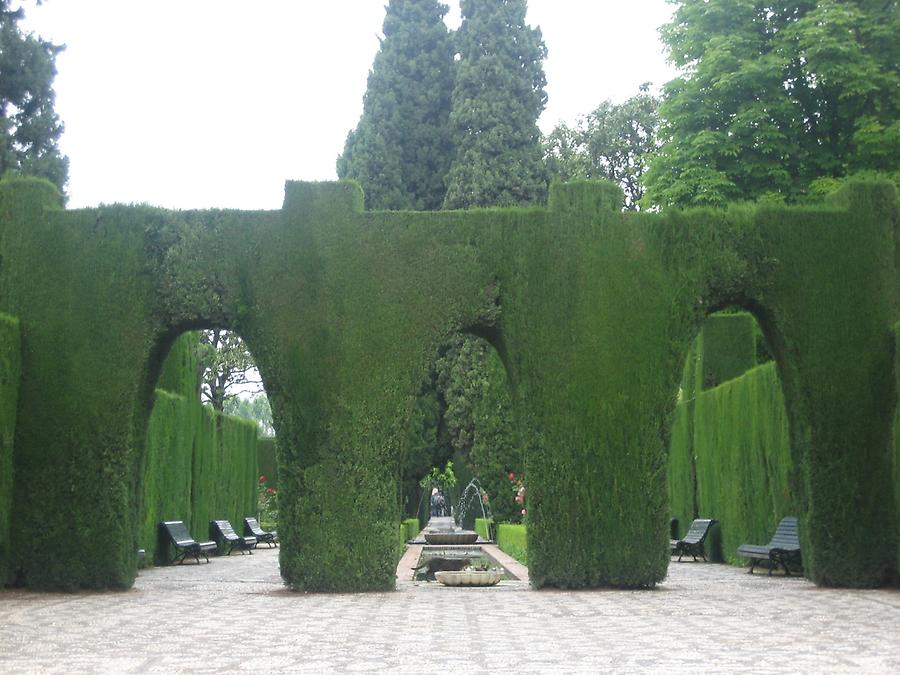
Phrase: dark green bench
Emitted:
{"points": [[185, 546], [252, 528], [692, 542], [784, 549], [221, 532]]}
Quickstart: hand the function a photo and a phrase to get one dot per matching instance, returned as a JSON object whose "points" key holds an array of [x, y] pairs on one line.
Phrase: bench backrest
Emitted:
{"points": [[698, 530], [178, 532], [253, 525], [224, 528], [787, 535]]}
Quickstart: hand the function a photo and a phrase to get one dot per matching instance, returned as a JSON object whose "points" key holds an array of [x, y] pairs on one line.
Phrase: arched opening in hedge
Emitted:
{"points": [[198, 463], [730, 455], [462, 417]]}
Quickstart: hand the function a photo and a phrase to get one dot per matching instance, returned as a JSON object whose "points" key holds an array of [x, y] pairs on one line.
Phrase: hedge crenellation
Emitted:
{"points": [[343, 309]]}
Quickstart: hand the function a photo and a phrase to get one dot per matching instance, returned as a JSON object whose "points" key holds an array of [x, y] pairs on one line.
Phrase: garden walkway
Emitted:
{"points": [[234, 615]]}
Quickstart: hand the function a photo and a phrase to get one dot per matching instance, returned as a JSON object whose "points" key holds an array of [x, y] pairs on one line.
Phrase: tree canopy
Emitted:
{"points": [[613, 142], [773, 96], [498, 96], [400, 151], [29, 126]]}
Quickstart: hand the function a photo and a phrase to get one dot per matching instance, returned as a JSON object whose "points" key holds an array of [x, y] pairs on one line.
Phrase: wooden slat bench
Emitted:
{"points": [[692, 542], [221, 532], [784, 549], [185, 546]]}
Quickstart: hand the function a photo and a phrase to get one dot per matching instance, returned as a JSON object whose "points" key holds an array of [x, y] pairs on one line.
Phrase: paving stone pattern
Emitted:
{"points": [[234, 615]]}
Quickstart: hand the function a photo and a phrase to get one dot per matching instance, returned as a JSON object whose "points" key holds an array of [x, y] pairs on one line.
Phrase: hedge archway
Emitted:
{"points": [[343, 309]]}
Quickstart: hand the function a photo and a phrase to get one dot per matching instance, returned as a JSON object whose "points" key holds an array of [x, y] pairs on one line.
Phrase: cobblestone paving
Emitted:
{"points": [[234, 615]]}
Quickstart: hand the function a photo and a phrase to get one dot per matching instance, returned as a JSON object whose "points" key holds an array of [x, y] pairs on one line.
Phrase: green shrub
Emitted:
{"points": [[513, 540]]}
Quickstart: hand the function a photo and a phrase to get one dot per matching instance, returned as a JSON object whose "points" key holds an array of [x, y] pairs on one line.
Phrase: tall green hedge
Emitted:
{"points": [[268, 464], [592, 312], [897, 433], [10, 368], [729, 347], [200, 465], [167, 474], [744, 462]]}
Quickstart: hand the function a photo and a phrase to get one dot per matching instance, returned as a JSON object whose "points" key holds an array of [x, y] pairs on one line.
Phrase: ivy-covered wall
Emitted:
{"points": [[592, 311], [9, 392]]}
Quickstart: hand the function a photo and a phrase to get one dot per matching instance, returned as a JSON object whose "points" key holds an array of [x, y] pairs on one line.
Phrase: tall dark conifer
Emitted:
{"points": [[498, 97], [400, 151], [29, 126]]}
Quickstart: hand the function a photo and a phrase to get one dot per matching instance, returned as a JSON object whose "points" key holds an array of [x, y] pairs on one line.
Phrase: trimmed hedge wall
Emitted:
{"points": [[199, 465], [268, 463], [744, 462], [592, 312], [897, 432], [729, 347], [10, 368], [513, 540]]}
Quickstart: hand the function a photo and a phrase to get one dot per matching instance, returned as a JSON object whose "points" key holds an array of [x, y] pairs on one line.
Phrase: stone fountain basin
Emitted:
{"points": [[469, 577], [451, 538]]}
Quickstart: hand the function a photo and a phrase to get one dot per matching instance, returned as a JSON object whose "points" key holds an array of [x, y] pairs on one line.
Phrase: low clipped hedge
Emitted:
{"points": [[10, 368], [411, 527], [483, 527], [513, 540]]}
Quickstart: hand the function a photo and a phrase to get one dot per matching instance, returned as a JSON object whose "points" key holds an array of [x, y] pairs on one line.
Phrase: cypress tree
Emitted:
{"points": [[498, 97], [400, 151]]}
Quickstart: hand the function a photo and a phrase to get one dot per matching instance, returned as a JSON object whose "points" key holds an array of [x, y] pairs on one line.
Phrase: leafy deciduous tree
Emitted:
{"points": [[612, 142], [773, 96], [226, 368], [400, 151]]}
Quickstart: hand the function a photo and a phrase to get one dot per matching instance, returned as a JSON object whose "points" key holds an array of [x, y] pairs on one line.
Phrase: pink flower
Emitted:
{"points": [[271, 491], [523, 512], [512, 476], [262, 479]]}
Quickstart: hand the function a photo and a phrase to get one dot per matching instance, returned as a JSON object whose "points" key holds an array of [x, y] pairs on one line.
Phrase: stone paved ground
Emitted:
{"points": [[234, 615]]}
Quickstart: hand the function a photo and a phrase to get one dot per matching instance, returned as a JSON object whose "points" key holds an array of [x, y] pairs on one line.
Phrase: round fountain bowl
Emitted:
{"points": [[451, 538], [469, 577]]}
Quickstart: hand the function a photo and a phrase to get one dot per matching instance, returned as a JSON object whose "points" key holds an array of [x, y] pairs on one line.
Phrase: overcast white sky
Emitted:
{"points": [[215, 103]]}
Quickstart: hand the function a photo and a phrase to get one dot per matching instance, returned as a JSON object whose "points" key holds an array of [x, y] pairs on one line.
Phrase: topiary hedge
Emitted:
{"points": [[592, 312], [10, 368]]}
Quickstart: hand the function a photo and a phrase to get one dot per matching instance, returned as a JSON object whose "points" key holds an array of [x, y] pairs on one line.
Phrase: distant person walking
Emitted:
{"points": [[437, 503]]}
